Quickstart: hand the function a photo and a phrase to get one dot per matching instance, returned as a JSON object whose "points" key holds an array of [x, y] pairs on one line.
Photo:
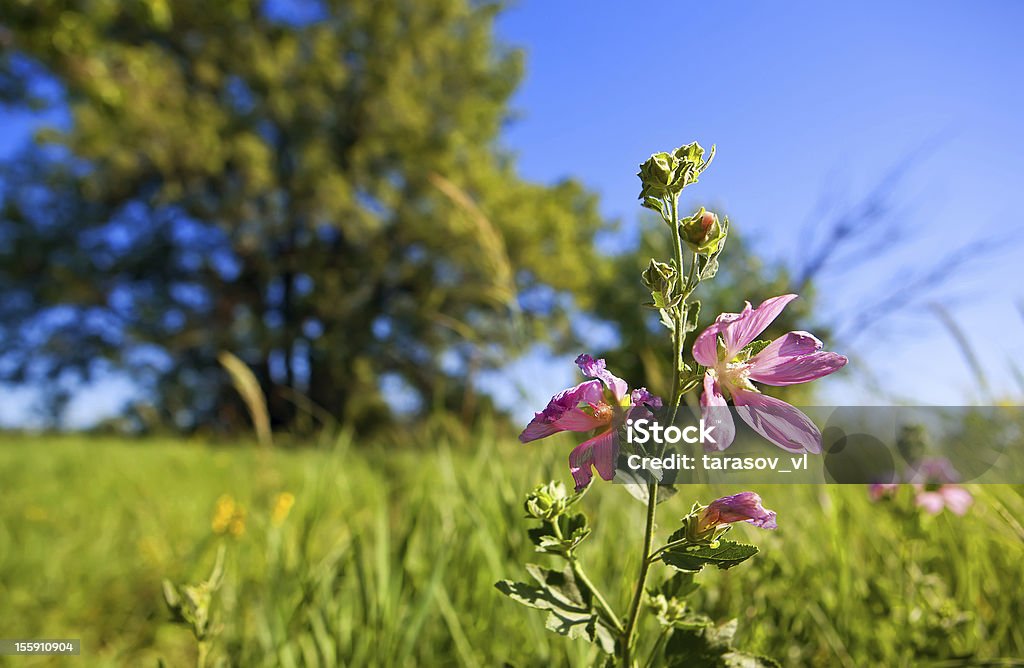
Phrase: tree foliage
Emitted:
{"points": [[321, 193]]}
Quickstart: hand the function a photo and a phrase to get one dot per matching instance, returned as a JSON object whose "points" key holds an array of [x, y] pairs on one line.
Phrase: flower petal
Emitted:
{"points": [[600, 452], [782, 424], [641, 397], [606, 451], [957, 499], [714, 411], [739, 329], [931, 502], [543, 423], [792, 358], [580, 461], [742, 507], [597, 369], [705, 347], [578, 420]]}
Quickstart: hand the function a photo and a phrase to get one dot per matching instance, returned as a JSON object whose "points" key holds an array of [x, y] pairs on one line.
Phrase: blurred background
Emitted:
{"points": [[379, 232], [393, 209]]}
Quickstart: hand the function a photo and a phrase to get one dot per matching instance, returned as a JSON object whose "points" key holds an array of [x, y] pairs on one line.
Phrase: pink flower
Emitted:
{"points": [[954, 497], [742, 507], [593, 405], [792, 358], [880, 490], [934, 480]]}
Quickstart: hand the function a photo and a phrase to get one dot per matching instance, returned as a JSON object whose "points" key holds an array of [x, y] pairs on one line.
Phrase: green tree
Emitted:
{"points": [[324, 196]]}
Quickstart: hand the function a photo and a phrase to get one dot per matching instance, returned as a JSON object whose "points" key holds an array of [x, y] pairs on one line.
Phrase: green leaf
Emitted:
{"points": [[692, 314], [667, 319], [567, 601], [721, 553], [573, 530], [710, 646], [654, 204], [637, 486], [709, 269]]}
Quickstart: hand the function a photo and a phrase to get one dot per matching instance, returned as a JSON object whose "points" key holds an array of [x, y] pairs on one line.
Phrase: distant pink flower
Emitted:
{"points": [[880, 490], [742, 507], [593, 405], [954, 497], [934, 483], [792, 358]]}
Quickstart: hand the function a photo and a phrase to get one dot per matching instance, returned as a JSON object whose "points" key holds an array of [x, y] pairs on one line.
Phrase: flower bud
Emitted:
{"points": [[660, 279], [742, 507], [666, 174], [546, 502], [659, 174], [702, 232], [691, 155]]}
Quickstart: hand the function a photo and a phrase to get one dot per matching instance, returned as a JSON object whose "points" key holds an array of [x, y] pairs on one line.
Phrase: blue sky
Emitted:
{"points": [[803, 100]]}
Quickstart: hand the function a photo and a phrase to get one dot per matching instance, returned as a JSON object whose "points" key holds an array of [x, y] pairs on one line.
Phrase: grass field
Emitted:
{"points": [[390, 552]]}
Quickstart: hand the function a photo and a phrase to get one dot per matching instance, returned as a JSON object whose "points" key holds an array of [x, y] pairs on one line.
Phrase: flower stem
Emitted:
{"points": [[667, 546], [677, 331], [678, 336], [577, 570], [602, 604], [645, 565]]}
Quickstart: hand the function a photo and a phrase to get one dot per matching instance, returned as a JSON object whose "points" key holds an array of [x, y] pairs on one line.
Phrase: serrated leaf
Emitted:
{"points": [[660, 299], [711, 646], [567, 602], [709, 269], [721, 553]]}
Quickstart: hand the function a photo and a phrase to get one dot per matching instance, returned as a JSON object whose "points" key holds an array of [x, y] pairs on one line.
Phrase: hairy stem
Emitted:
{"points": [[645, 565], [677, 332], [577, 570], [602, 604]]}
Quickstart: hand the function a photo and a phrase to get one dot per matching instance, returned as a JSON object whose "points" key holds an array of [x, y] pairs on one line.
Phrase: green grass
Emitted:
{"points": [[390, 554]]}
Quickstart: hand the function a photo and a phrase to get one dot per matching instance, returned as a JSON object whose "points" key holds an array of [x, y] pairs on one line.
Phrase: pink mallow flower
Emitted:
{"points": [[742, 507], [935, 487], [954, 497], [593, 405], [792, 358]]}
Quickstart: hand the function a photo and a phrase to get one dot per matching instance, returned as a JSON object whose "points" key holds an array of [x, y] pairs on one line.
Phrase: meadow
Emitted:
{"points": [[390, 553]]}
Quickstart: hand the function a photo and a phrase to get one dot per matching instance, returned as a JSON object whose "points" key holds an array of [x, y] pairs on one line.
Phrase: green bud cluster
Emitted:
{"points": [[660, 279], [664, 175], [548, 502]]}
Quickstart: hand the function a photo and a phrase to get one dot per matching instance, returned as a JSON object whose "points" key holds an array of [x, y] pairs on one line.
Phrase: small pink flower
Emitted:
{"points": [[792, 358], [954, 497], [742, 507], [593, 405], [880, 490], [934, 481]]}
